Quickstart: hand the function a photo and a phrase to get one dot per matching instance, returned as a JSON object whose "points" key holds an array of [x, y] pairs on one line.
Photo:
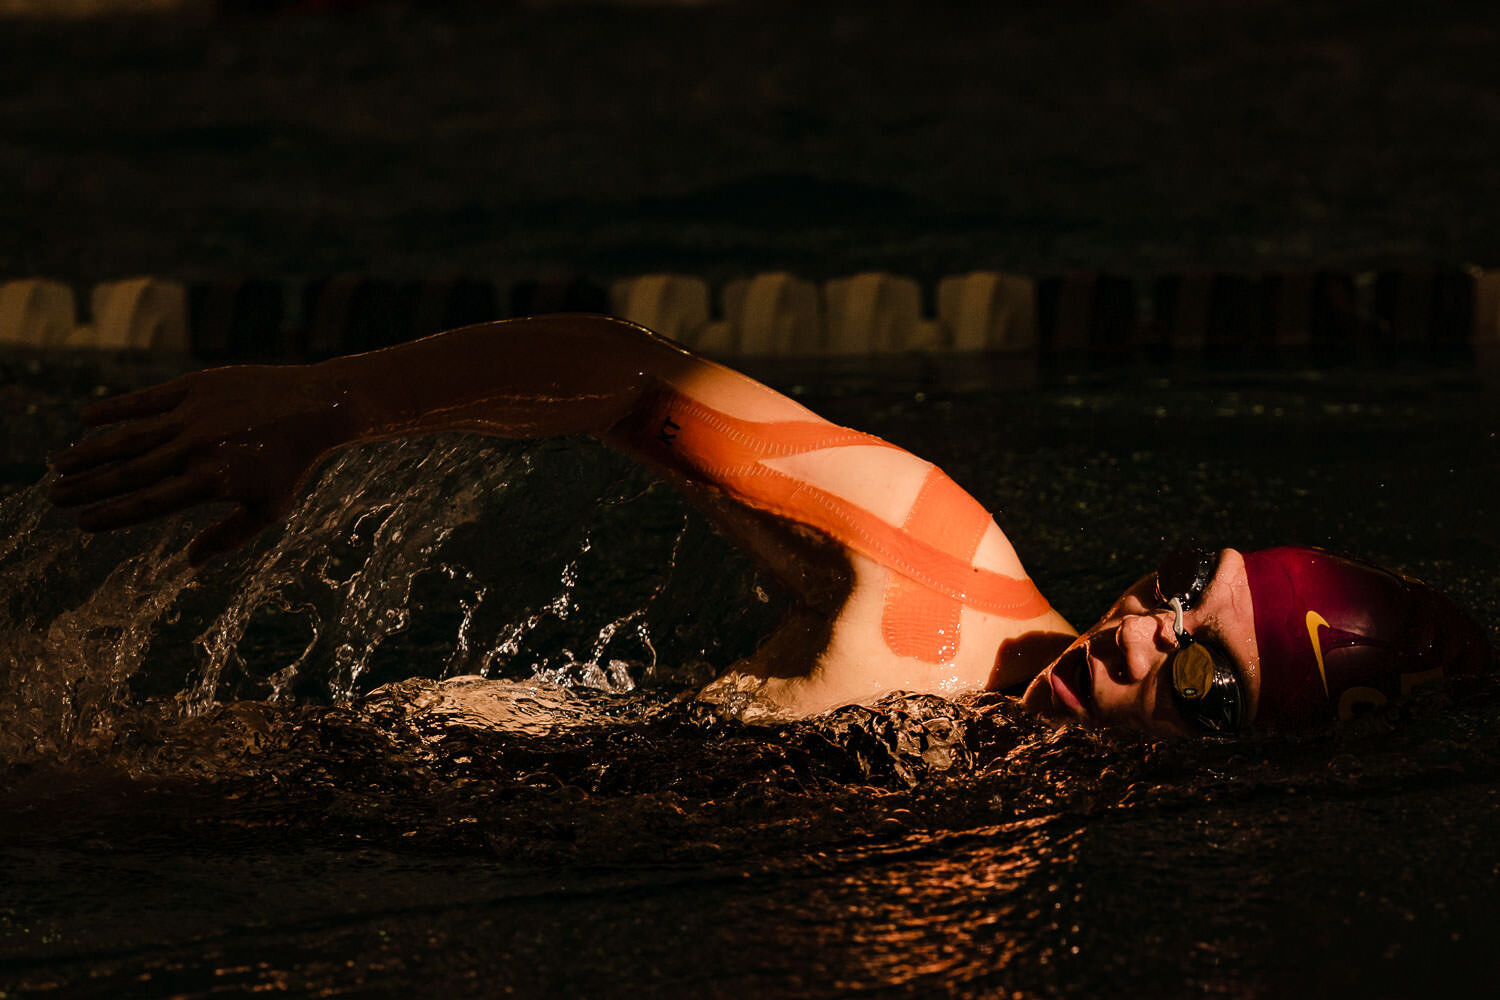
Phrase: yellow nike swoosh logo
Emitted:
{"points": [[1313, 621]]}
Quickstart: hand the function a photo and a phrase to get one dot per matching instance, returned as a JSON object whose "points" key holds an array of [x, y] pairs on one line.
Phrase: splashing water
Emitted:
{"points": [[348, 558], [442, 713], [62, 669], [308, 610]]}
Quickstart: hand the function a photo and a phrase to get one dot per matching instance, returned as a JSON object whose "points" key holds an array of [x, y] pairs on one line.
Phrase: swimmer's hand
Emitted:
{"points": [[246, 434]]}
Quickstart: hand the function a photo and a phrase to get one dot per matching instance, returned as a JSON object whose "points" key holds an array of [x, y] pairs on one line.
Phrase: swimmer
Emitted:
{"points": [[902, 581]]}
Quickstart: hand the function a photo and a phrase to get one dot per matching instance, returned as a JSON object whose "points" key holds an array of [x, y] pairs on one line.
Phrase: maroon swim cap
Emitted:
{"points": [[1337, 635]]}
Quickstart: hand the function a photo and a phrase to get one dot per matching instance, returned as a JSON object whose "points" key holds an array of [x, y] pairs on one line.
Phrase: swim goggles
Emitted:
{"points": [[1204, 685]]}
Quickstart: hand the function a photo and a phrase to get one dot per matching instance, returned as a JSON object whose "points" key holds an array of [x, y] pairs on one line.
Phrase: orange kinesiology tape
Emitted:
{"points": [[931, 553]]}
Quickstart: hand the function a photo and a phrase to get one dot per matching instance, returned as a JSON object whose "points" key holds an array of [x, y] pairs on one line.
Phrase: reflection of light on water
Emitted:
{"points": [[64, 668], [941, 907], [307, 608], [350, 553], [534, 708], [914, 847], [513, 636]]}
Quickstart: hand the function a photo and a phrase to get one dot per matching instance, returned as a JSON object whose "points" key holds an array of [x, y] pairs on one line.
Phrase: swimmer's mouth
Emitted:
{"points": [[1073, 681]]}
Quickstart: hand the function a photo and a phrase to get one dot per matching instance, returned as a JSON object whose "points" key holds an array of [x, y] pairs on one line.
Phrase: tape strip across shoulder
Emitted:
{"points": [[730, 453]]}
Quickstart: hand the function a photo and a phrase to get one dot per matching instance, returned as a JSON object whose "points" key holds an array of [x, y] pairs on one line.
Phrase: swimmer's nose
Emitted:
{"points": [[1144, 642]]}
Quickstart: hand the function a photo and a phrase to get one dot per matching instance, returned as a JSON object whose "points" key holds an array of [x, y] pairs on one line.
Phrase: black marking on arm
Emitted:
{"points": [[668, 433]]}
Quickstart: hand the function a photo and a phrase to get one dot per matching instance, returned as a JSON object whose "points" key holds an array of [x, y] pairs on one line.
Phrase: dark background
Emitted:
{"points": [[516, 140], [310, 848]]}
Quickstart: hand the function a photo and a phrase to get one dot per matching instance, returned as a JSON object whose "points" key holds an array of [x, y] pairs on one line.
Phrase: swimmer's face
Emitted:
{"points": [[1117, 673]]}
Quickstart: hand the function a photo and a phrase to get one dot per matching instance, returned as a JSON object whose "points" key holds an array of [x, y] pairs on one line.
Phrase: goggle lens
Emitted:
{"points": [[1193, 672], [1185, 574], [1205, 688]]}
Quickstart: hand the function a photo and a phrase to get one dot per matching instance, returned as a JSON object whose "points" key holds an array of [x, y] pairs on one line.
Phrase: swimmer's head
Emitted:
{"points": [[1283, 638], [1338, 636]]}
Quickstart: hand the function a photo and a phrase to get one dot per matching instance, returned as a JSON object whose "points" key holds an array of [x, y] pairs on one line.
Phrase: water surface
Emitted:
{"points": [[438, 733]]}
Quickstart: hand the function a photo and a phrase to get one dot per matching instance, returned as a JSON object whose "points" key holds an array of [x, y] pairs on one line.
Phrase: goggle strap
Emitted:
{"points": [[1176, 605]]}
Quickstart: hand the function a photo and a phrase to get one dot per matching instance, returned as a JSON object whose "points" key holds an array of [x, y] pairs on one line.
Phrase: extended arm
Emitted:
{"points": [[906, 581], [250, 434]]}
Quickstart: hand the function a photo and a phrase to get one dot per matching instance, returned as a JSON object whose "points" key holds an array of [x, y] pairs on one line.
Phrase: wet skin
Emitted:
{"points": [[248, 437], [1115, 675]]}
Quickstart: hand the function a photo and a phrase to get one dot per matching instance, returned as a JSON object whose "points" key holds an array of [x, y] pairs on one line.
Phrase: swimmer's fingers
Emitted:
{"points": [[166, 497], [229, 534], [150, 402], [118, 478], [117, 445]]}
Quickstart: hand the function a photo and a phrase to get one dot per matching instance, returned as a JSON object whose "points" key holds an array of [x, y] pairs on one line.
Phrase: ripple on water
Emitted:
{"points": [[451, 734]]}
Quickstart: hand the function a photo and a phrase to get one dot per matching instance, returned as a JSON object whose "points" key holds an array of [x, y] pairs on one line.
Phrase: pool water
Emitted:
{"points": [[437, 735]]}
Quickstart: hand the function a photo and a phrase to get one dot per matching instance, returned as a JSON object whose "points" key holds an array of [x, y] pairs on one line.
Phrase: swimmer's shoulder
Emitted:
{"points": [[708, 425], [916, 586], [720, 428]]}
